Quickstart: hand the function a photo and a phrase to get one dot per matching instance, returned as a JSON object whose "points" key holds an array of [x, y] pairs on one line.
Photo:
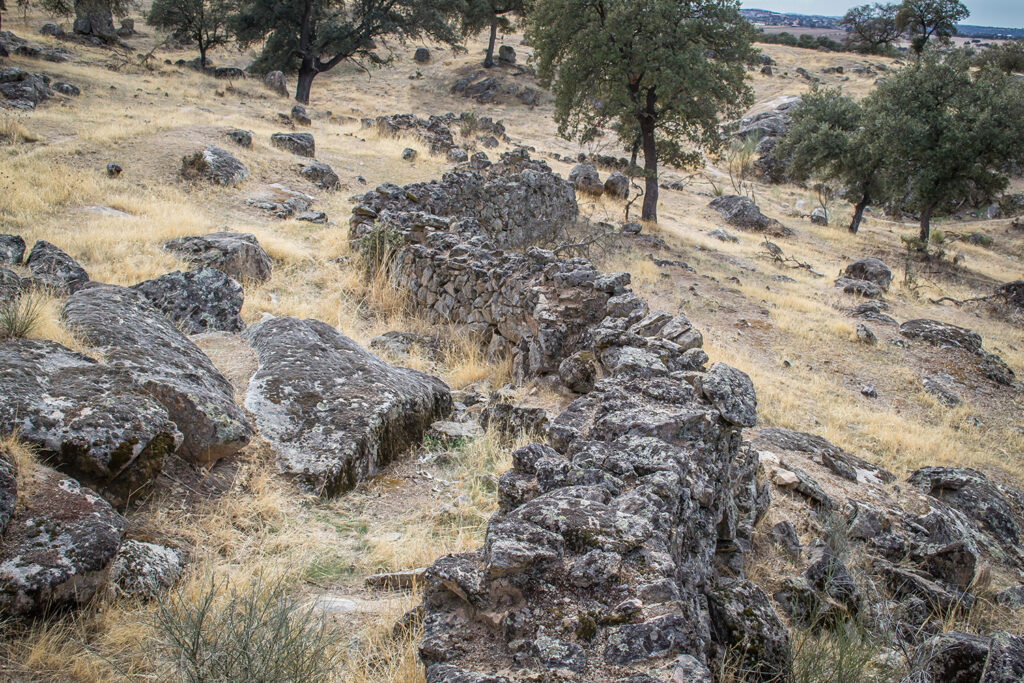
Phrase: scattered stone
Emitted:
{"points": [[864, 288], [784, 535], [301, 144], [512, 421], [507, 54], [865, 335], [448, 432], [585, 178], [333, 412], [89, 420], [409, 154], [617, 185], [819, 216], [241, 137], [870, 269], [238, 255], [53, 269], [869, 391], [397, 581], [421, 56], [749, 631], [67, 89], [276, 81], [197, 301], [578, 372], [940, 386], [137, 339], [12, 250], [321, 175], [113, 170], [457, 155], [942, 334], [300, 116], [58, 545], [11, 286], [215, 165], [723, 236], [744, 213], [731, 392], [141, 570]]}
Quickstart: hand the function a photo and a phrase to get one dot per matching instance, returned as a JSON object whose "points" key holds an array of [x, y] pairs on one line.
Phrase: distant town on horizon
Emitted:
{"points": [[796, 20]]}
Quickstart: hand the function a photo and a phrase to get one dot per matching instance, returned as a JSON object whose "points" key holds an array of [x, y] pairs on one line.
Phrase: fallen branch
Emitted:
{"points": [[961, 302], [776, 254]]}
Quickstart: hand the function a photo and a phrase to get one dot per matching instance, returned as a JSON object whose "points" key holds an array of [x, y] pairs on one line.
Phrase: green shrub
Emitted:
{"points": [[377, 246], [259, 634], [20, 316]]}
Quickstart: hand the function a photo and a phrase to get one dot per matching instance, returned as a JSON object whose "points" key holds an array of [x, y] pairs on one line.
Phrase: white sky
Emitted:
{"points": [[1005, 13]]}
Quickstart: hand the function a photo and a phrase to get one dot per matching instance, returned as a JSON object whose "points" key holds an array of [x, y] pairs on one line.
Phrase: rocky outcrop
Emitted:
{"points": [[236, 254], [216, 165], [197, 301], [141, 570], [89, 420], [12, 250], [11, 286], [321, 175], [744, 213], [137, 339], [23, 90], [275, 81], [53, 269], [334, 413], [58, 545], [617, 185], [585, 178], [301, 144], [870, 269], [946, 336]]}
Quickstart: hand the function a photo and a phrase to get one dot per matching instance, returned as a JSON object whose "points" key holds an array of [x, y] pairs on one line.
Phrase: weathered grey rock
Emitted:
{"points": [[114, 170], [12, 250], [585, 178], [511, 420], [136, 338], [197, 301], [784, 535], [578, 372], [457, 155], [864, 288], [953, 657], [321, 175], [400, 344], [241, 137], [141, 570], [409, 154], [942, 334], [8, 489], [617, 185], [748, 629], [216, 165], [91, 421], [1012, 596], [827, 574], [21, 86], [870, 269], [448, 432], [301, 144], [333, 412], [58, 545], [723, 236], [54, 269], [819, 216], [276, 81], [941, 386], [67, 89], [744, 213], [11, 286], [421, 56], [236, 254], [732, 392], [301, 116], [507, 54]]}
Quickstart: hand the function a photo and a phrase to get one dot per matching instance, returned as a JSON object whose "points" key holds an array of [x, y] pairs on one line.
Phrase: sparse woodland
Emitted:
{"points": [[472, 342]]}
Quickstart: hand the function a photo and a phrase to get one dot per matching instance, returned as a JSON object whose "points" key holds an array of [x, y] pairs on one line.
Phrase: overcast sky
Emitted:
{"points": [[1007, 13]]}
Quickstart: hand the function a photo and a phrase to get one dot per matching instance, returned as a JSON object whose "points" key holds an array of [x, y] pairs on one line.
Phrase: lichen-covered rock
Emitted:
{"points": [[12, 250], [58, 546], [52, 268], [953, 657], [236, 254], [241, 137], [585, 178], [864, 288], [91, 421], [578, 372], [748, 629], [870, 269], [512, 421], [141, 570], [301, 144], [732, 392], [942, 334], [333, 412], [275, 81], [399, 344], [744, 213], [216, 165], [617, 185], [197, 301], [321, 175], [8, 489], [136, 338], [11, 286]]}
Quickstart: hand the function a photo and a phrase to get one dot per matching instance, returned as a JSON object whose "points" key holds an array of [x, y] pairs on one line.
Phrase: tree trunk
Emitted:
{"points": [[926, 224], [489, 59], [650, 208], [93, 18], [202, 56], [858, 213], [306, 74]]}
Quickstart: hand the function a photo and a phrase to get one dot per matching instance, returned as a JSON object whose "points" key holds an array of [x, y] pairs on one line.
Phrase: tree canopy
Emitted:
{"points": [[92, 17], [923, 19], [949, 134], [658, 70], [872, 27], [830, 139], [204, 21], [313, 36], [490, 14]]}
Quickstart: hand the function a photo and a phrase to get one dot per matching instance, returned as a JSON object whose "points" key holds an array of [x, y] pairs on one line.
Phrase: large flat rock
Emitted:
{"points": [[93, 422], [135, 337], [333, 412]]}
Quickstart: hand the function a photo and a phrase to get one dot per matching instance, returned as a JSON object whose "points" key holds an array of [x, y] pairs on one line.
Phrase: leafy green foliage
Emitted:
{"points": [[118, 8], [806, 41], [948, 134], [656, 71], [1007, 57], [923, 19], [313, 36], [829, 141], [872, 27], [259, 634], [204, 21]]}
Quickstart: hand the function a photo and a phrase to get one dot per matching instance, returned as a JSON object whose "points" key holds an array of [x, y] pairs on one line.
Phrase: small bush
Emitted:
{"points": [[377, 246], [938, 236], [12, 132], [258, 634], [20, 317]]}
